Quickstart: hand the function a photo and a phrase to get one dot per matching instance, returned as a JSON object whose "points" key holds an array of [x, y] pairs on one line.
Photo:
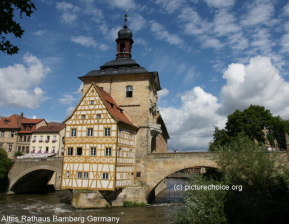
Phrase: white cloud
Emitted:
{"points": [[122, 4], [285, 43], [191, 126], [225, 23], [220, 3], [69, 111], [286, 10], [193, 24], [84, 41], [162, 34], [20, 83], [259, 12], [67, 99], [208, 42], [258, 83], [162, 93], [171, 6], [69, 11]]}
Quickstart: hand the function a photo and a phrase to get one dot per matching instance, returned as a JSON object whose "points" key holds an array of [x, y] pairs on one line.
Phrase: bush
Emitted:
{"points": [[265, 188]]}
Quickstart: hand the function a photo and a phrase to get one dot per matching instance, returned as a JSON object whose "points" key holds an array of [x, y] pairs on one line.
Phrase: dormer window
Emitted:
{"points": [[6, 121], [129, 90]]}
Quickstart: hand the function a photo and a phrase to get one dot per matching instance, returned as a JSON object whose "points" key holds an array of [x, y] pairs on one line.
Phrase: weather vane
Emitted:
{"points": [[125, 19]]}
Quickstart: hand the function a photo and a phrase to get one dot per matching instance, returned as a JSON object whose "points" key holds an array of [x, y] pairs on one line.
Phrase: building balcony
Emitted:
{"points": [[53, 141], [40, 140], [46, 141], [33, 141]]}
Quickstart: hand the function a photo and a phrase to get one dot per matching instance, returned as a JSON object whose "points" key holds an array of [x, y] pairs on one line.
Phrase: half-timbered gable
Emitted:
{"points": [[91, 159]]}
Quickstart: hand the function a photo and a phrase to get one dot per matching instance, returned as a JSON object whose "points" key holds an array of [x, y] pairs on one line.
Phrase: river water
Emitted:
{"points": [[55, 207]]}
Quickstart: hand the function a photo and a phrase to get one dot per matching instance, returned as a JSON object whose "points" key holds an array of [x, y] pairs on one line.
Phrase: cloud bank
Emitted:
{"points": [[258, 83], [20, 83]]}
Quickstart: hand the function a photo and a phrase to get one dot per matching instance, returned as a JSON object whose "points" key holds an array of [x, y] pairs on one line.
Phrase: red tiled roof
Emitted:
{"points": [[113, 107], [13, 121], [50, 128], [31, 121]]}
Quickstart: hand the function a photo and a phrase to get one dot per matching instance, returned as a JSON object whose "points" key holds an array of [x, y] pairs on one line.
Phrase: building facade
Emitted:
{"points": [[99, 144], [120, 99], [16, 131], [48, 140], [135, 89]]}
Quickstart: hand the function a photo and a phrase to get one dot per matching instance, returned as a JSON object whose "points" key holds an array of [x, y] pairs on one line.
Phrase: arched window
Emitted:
{"points": [[122, 47]]}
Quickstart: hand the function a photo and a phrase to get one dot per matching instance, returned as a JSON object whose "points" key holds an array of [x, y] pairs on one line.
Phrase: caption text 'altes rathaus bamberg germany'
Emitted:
{"points": [[113, 146]]}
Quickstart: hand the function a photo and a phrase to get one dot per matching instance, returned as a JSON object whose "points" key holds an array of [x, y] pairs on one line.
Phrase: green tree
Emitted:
{"points": [[5, 166], [8, 25], [262, 195], [252, 121]]}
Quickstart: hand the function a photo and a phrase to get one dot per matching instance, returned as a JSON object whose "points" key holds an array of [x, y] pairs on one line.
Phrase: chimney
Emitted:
{"points": [[21, 115]]}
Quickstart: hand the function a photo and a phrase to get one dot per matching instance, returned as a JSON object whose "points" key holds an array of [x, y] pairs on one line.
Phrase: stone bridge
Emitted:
{"points": [[158, 166], [33, 174]]}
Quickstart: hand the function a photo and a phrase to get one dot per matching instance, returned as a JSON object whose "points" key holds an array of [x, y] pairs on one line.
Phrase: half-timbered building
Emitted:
{"points": [[100, 144]]}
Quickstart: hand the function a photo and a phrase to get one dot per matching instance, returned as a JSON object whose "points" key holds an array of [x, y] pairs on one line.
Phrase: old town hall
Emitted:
{"points": [[115, 124]]}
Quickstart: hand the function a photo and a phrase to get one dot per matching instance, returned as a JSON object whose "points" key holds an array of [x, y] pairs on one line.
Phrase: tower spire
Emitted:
{"points": [[125, 21], [124, 41]]}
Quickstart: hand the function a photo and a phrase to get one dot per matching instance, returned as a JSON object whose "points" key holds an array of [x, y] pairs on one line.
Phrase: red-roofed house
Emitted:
{"points": [[16, 131], [100, 144]]}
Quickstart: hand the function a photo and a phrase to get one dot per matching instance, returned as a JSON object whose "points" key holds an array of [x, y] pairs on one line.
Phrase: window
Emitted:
{"points": [[73, 132], [98, 116], [122, 47], [34, 138], [129, 90], [46, 149], [107, 132], [79, 174], [19, 148], [82, 116], [67, 175], [1, 134], [79, 151], [85, 175], [12, 134], [119, 152], [70, 151], [93, 151], [54, 137], [33, 149], [108, 151], [138, 174], [130, 154], [9, 148], [89, 132], [91, 102], [53, 149], [105, 176]]}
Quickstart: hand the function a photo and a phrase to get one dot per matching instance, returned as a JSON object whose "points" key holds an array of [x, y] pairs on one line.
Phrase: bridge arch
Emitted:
{"points": [[161, 165], [26, 174]]}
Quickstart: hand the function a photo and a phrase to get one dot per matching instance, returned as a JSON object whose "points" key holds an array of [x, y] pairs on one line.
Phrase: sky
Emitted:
{"points": [[213, 57]]}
